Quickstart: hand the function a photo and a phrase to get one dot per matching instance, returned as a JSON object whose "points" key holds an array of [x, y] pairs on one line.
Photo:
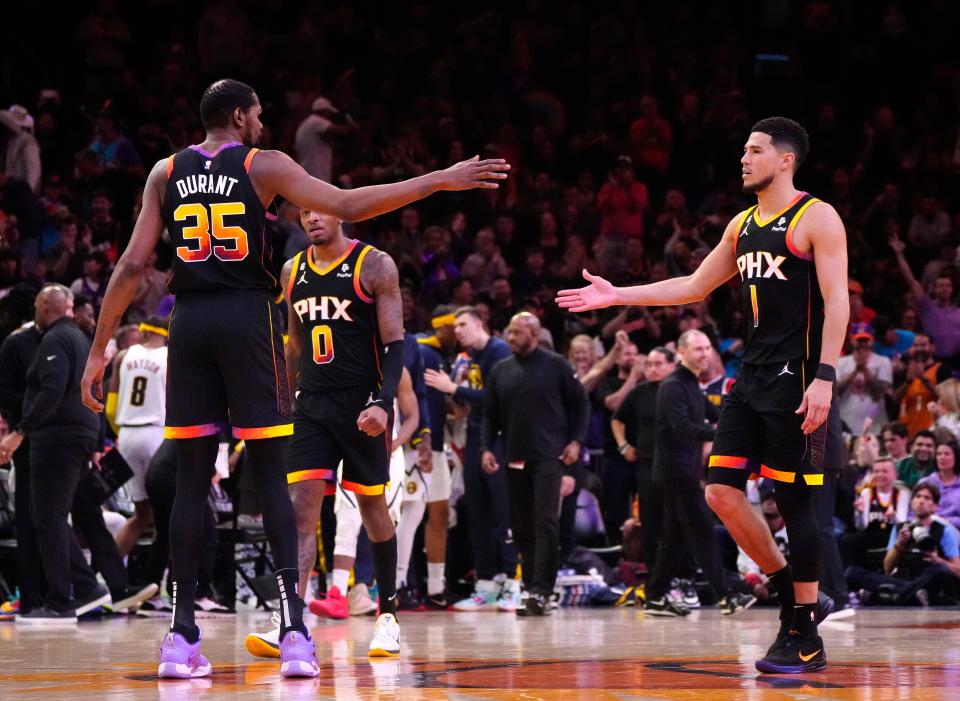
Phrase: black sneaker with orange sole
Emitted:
{"points": [[793, 654]]}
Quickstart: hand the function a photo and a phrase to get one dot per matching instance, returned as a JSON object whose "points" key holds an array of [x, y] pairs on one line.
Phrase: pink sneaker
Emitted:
{"points": [[181, 660], [333, 606]]}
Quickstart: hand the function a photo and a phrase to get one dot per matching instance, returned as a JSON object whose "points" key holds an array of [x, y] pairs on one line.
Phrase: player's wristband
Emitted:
{"points": [[826, 372], [391, 364]]}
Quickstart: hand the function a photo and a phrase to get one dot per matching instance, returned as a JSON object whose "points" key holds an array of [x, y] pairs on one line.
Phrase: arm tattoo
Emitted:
{"points": [[379, 275]]}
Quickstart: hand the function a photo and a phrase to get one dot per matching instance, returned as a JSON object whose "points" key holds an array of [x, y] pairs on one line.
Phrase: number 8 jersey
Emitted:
{"points": [[216, 221], [142, 398], [339, 334]]}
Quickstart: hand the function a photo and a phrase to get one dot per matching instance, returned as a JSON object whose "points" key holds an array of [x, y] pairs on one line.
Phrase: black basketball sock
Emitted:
{"points": [[184, 598], [804, 619], [385, 568], [291, 605], [782, 581]]}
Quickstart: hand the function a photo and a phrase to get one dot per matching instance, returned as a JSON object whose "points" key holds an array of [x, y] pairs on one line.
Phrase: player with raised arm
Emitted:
{"points": [[790, 251], [225, 347]]}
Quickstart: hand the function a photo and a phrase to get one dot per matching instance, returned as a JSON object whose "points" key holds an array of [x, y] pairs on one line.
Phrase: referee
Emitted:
{"points": [[535, 400]]}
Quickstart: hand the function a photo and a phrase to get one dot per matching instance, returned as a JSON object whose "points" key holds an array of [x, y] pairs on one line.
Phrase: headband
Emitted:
{"points": [[445, 320], [159, 330]]}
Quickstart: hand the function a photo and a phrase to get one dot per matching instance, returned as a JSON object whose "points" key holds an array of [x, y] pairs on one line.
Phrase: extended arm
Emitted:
{"points": [[898, 247], [409, 409], [276, 173], [123, 284], [718, 267], [291, 351]]}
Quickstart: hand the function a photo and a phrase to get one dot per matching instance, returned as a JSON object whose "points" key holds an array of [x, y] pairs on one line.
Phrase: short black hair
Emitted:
{"points": [[665, 352], [932, 488], [221, 99], [785, 134]]}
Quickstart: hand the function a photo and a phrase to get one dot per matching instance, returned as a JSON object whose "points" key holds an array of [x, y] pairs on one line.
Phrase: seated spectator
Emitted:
{"points": [[622, 201], [880, 506], [65, 258], [750, 571], [863, 379], [918, 387], [107, 232], [11, 270], [502, 305], [152, 289], [946, 410], [859, 312], [96, 274], [533, 276], [946, 481], [889, 341], [486, 263], [895, 442], [938, 313], [114, 149], [922, 560], [921, 461]]}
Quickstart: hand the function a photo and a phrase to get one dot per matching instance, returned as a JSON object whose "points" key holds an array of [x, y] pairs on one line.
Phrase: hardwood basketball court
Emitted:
{"points": [[575, 654]]}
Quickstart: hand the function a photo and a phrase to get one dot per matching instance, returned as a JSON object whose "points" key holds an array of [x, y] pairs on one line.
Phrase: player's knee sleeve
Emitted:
{"points": [[348, 531], [795, 502]]}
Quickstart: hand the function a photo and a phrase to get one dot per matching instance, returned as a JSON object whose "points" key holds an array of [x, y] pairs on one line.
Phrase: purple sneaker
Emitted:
{"points": [[181, 660], [298, 656]]}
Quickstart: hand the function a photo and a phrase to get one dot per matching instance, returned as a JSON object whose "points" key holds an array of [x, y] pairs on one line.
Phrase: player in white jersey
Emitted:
{"points": [[137, 408]]}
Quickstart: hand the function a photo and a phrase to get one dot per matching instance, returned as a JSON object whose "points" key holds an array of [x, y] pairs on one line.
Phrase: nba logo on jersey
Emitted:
{"points": [[206, 165]]}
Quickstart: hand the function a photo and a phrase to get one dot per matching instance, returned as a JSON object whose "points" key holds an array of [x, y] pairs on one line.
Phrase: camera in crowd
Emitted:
{"points": [[922, 539]]}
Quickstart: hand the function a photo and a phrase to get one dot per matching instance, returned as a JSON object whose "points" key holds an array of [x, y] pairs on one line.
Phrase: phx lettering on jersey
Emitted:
{"points": [[756, 264], [310, 308]]}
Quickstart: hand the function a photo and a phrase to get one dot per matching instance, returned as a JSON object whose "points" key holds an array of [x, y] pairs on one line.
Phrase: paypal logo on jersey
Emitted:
{"points": [[344, 270]]}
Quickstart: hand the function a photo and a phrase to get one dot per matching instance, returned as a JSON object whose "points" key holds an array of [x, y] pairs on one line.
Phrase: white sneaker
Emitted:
{"points": [[266, 644], [510, 598], [208, 608], [155, 608], [386, 638], [484, 597], [360, 602]]}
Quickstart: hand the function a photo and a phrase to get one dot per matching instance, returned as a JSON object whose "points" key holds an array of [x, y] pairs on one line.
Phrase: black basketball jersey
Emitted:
{"points": [[216, 221], [339, 335], [781, 300]]}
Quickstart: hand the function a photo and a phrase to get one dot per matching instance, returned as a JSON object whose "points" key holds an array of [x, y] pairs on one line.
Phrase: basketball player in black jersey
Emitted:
{"points": [[345, 356], [225, 345], [790, 251]]}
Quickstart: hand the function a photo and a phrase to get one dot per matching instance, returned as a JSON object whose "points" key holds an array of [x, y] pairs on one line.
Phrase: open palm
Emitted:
{"points": [[597, 295]]}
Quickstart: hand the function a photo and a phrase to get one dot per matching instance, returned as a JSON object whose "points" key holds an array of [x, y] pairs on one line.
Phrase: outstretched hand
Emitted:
{"points": [[474, 173], [597, 295]]}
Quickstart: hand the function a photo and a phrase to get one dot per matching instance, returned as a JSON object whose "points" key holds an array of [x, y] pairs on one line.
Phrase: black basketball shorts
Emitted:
{"points": [[225, 364], [325, 432], [759, 433]]}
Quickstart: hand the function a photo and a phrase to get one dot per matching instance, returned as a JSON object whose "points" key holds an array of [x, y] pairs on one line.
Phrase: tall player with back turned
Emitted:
{"points": [[790, 251], [226, 351]]}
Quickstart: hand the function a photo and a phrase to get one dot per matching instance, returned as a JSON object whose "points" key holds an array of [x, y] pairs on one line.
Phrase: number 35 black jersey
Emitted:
{"points": [[781, 300], [216, 221]]}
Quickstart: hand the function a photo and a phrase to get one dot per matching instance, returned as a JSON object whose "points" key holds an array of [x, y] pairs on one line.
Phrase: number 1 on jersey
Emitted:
{"points": [[756, 310], [322, 344]]}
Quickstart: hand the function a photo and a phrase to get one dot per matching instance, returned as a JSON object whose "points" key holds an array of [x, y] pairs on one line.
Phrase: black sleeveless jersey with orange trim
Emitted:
{"points": [[339, 334], [781, 300], [216, 221]]}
